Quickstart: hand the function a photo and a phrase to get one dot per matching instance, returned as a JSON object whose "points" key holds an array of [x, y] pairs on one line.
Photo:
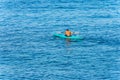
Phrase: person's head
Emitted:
{"points": [[67, 29]]}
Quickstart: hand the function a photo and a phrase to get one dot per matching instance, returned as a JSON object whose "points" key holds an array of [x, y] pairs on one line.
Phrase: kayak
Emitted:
{"points": [[70, 37]]}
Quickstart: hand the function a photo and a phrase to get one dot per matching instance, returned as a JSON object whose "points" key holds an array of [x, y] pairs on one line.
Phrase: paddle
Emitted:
{"points": [[59, 32], [75, 32]]}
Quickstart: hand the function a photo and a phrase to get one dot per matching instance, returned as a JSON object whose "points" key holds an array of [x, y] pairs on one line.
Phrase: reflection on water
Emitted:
{"points": [[68, 44]]}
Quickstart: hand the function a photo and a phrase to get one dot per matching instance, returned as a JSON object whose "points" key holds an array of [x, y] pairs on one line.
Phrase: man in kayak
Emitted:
{"points": [[68, 33]]}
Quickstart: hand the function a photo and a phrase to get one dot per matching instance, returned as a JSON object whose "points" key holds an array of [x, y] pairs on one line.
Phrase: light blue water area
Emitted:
{"points": [[29, 51]]}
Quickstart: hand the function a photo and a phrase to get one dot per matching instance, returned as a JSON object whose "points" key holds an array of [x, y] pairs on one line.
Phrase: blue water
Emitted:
{"points": [[28, 50]]}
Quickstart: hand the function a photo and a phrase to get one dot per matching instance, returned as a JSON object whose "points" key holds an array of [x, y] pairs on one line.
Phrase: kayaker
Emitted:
{"points": [[68, 32]]}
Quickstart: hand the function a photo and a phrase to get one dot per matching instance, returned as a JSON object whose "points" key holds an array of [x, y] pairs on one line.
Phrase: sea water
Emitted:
{"points": [[29, 51]]}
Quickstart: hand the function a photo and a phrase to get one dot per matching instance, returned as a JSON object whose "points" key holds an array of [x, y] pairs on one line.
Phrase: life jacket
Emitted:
{"points": [[67, 33]]}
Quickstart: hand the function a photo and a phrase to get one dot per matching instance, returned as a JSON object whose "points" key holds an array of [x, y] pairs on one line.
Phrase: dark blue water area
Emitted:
{"points": [[29, 51]]}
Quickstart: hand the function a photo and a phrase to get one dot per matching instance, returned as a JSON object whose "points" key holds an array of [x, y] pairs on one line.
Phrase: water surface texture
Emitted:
{"points": [[28, 50]]}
